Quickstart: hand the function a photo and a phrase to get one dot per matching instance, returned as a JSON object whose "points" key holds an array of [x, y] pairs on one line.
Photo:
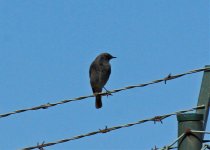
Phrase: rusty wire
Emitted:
{"points": [[45, 106], [160, 118]]}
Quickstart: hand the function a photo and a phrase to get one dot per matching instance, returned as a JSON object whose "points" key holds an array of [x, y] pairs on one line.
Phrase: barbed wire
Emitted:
{"points": [[154, 119], [45, 106], [165, 148]]}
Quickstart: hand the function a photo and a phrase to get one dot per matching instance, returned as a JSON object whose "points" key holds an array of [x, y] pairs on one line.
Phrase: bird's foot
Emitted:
{"points": [[107, 92]]}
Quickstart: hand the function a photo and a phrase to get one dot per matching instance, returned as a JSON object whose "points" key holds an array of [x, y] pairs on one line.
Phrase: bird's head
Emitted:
{"points": [[106, 57]]}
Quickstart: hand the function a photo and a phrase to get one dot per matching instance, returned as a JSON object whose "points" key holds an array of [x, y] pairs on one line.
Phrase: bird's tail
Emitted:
{"points": [[98, 101]]}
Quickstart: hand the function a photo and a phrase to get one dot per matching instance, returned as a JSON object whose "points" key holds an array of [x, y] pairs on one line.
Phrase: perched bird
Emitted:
{"points": [[99, 73]]}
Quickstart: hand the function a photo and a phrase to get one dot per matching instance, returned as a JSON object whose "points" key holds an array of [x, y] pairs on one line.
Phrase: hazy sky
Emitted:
{"points": [[47, 46]]}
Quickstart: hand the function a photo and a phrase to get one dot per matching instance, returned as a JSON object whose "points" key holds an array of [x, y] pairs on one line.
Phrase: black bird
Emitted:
{"points": [[99, 73]]}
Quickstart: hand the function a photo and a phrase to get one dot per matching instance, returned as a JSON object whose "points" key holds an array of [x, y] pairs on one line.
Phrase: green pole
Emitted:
{"points": [[204, 96], [187, 122], [195, 121]]}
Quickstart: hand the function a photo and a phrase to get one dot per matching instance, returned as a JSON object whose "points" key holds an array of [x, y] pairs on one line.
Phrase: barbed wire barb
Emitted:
{"points": [[45, 106], [106, 130]]}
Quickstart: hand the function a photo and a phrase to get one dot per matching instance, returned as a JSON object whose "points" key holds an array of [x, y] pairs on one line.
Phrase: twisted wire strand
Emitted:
{"points": [[154, 119], [45, 106], [172, 144], [196, 131], [182, 136]]}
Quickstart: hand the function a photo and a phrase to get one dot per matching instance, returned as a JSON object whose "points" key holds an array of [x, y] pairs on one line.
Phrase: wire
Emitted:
{"points": [[206, 146], [183, 135], [154, 119], [172, 144], [195, 131], [45, 106]]}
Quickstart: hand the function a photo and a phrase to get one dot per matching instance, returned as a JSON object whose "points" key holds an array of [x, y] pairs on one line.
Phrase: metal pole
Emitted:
{"points": [[204, 96], [195, 121], [187, 122]]}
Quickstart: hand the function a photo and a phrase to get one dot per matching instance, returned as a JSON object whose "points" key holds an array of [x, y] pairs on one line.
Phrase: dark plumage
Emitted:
{"points": [[99, 73]]}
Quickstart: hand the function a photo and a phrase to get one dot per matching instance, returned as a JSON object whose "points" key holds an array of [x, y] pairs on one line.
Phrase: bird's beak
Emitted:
{"points": [[113, 57]]}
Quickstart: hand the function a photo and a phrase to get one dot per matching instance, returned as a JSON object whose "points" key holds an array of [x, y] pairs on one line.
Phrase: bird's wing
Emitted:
{"points": [[94, 74], [105, 73]]}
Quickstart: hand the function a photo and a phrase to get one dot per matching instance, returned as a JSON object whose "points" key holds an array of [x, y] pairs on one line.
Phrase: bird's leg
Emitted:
{"points": [[107, 92]]}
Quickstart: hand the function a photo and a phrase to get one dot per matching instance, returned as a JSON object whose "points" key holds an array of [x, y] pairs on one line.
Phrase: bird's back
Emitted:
{"points": [[99, 74]]}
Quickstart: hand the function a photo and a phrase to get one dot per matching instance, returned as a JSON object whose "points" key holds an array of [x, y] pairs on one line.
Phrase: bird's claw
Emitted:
{"points": [[107, 92]]}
